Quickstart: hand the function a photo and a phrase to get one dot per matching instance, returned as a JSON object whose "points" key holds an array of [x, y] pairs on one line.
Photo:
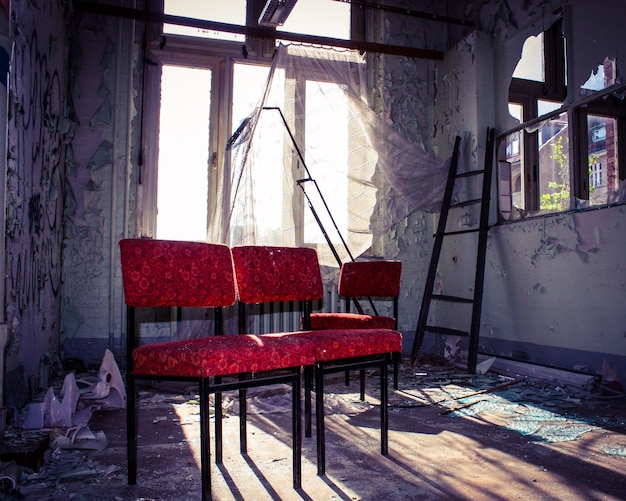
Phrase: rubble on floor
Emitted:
{"points": [[452, 435]]}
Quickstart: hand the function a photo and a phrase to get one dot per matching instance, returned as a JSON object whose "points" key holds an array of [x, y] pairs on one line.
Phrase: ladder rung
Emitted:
{"points": [[451, 299], [445, 330], [470, 173], [466, 203], [459, 232]]}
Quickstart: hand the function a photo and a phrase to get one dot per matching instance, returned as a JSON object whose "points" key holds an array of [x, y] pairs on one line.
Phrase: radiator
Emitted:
{"points": [[286, 316]]}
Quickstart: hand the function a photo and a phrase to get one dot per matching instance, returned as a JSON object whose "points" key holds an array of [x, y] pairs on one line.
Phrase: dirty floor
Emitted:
{"points": [[452, 436]]}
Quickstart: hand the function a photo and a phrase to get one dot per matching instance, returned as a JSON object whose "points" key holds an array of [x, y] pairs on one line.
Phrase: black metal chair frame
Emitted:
{"points": [[217, 386]]}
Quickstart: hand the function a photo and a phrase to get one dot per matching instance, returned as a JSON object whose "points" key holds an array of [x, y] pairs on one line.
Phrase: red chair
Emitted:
{"points": [[364, 282], [158, 273], [266, 274]]}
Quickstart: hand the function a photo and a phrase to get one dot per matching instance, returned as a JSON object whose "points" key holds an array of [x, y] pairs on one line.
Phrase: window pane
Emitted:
{"points": [[231, 12], [545, 107], [511, 181], [326, 18], [530, 66], [327, 160], [603, 165], [554, 177], [183, 153], [267, 162], [248, 85]]}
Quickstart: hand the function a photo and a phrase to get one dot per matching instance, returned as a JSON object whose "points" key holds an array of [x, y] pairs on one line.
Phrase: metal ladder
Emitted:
{"points": [[482, 228]]}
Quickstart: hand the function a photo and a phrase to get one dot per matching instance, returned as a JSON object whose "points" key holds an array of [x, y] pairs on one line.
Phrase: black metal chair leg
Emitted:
{"points": [[308, 384], [205, 448], [219, 415], [131, 429], [384, 410], [319, 419], [362, 384], [297, 431], [396, 362], [243, 418]]}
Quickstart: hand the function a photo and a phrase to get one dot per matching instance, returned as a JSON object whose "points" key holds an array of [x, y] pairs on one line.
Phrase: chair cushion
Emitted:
{"points": [[336, 344], [350, 321], [222, 355]]}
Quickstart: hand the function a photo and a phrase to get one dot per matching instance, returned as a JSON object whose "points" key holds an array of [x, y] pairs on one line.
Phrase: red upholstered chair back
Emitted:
{"points": [[364, 279], [370, 279], [161, 273], [268, 274]]}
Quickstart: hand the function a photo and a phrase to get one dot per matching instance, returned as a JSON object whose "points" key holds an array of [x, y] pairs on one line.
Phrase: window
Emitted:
{"points": [[324, 18], [231, 12], [561, 156], [203, 86], [327, 151]]}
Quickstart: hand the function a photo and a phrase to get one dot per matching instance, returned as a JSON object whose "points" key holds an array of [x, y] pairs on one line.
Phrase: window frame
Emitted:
{"points": [[528, 94], [221, 56]]}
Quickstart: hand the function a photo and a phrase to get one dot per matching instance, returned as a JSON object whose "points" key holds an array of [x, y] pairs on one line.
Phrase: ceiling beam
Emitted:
{"points": [[254, 31], [408, 12]]}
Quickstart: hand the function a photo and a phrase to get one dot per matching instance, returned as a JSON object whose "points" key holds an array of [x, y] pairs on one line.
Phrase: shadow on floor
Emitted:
{"points": [[452, 436]]}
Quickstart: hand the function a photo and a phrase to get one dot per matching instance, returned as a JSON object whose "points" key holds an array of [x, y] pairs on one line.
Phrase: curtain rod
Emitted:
{"points": [[254, 31]]}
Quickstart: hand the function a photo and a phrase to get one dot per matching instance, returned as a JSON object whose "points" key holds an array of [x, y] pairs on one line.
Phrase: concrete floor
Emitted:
{"points": [[531, 440]]}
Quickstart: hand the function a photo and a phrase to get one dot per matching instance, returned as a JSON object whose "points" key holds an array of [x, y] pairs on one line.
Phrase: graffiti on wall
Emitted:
{"points": [[35, 181]]}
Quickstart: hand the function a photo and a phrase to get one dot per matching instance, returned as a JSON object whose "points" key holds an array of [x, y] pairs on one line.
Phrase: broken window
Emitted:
{"points": [[561, 156]]}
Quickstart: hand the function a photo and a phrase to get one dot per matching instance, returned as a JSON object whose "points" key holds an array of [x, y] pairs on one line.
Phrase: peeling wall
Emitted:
{"points": [[555, 290], [37, 132], [101, 174], [554, 286], [402, 93]]}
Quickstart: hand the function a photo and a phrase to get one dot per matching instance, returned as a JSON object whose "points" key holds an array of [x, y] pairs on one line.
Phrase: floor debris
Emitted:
{"points": [[452, 436]]}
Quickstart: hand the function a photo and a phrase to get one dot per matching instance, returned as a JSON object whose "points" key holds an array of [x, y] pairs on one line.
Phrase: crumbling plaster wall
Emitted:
{"points": [[554, 286], [37, 132], [102, 170], [402, 93]]}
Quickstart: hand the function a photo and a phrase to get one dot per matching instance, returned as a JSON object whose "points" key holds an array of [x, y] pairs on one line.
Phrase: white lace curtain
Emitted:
{"points": [[313, 158]]}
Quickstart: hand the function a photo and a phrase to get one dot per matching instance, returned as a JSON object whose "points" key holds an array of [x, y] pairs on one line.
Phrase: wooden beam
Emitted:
{"points": [[254, 31]]}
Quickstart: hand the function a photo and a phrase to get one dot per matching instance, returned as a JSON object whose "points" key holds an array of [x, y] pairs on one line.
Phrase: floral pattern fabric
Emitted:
{"points": [[267, 274], [223, 355], [350, 321], [337, 344], [370, 278], [160, 273]]}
